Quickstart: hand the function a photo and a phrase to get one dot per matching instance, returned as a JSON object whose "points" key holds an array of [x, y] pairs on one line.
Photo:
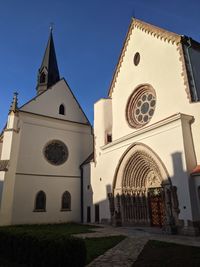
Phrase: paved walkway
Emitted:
{"points": [[126, 252], [122, 255]]}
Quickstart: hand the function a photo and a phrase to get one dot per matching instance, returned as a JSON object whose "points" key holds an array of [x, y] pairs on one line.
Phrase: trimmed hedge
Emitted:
{"points": [[42, 251]]}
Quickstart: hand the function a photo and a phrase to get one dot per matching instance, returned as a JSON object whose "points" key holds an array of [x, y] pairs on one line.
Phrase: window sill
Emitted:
{"points": [[39, 210], [65, 210]]}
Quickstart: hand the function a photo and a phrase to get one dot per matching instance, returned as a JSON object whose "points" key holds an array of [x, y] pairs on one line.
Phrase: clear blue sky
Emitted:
{"points": [[88, 37]]}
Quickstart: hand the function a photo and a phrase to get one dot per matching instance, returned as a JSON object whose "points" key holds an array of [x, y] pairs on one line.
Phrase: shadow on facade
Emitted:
{"points": [[1, 190], [171, 205]]}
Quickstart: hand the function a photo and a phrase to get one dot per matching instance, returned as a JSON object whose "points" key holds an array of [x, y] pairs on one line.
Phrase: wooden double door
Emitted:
{"points": [[156, 206], [141, 209]]}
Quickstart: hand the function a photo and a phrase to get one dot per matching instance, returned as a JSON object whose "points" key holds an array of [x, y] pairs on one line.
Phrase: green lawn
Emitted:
{"points": [[95, 246], [52, 229], [164, 254]]}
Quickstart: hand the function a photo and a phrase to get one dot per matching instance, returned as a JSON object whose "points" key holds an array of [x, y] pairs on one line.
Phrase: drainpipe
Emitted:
{"points": [[82, 218]]}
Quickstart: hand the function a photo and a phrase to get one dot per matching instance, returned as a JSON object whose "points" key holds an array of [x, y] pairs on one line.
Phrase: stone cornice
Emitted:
{"points": [[48, 175], [53, 118], [155, 31], [173, 118], [120, 60], [12, 130]]}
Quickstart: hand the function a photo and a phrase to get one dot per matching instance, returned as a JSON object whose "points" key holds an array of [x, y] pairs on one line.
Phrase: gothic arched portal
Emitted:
{"points": [[142, 189]]}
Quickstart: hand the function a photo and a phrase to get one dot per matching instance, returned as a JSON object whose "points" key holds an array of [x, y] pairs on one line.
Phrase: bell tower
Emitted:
{"points": [[48, 73]]}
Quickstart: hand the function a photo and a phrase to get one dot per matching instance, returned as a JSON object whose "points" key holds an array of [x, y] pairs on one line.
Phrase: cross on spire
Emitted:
{"points": [[51, 27]]}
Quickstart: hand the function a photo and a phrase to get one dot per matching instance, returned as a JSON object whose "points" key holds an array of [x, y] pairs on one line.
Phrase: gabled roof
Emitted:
{"points": [[149, 29], [88, 160], [34, 98], [68, 88]]}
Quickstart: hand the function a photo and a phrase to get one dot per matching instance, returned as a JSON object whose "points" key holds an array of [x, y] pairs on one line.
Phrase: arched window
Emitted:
{"points": [[66, 201], [109, 138], [40, 201], [62, 109], [42, 77]]}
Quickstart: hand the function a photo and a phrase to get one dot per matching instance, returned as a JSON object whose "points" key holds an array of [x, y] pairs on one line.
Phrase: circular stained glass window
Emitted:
{"points": [[141, 106], [56, 152]]}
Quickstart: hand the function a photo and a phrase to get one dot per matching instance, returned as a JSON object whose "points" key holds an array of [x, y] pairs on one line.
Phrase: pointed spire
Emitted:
{"points": [[48, 73], [14, 104]]}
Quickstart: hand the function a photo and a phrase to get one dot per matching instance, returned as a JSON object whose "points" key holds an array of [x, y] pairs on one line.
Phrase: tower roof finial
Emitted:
{"points": [[51, 27]]}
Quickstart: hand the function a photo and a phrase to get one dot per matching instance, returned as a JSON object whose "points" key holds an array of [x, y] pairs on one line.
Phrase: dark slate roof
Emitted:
{"points": [[4, 165], [88, 160], [49, 63], [191, 52], [196, 170]]}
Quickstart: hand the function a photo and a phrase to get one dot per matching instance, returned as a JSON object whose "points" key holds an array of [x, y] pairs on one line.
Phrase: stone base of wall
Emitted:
{"points": [[192, 228], [105, 221], [170, 229], [189, 231]]}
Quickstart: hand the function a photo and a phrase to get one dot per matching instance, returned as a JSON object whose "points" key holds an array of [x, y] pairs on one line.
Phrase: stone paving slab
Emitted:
{"points": [[126, 252], [122, 255]]}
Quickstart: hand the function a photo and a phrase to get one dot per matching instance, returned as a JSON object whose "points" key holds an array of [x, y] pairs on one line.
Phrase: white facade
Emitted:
{"points": [[141, 165], [28, 131], [171, 137]]}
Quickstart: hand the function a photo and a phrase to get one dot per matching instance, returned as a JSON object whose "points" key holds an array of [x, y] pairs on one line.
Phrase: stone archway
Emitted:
{"points": [[142, 190]]}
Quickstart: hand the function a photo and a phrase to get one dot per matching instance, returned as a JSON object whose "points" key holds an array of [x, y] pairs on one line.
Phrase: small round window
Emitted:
{"points": [[136, 59], [141, 106], [56, 152]]}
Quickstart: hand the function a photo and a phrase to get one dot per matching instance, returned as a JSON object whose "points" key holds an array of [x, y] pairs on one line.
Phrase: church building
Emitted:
{"points": [[41, 148], [145, 168], [139, 165]]}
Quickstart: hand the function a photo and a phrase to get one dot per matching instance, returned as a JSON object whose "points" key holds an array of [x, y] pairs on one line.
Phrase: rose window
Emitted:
{"points": [[56, 152], [141, 106]]}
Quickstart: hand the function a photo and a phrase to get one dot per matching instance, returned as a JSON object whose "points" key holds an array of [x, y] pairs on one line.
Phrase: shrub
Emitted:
{"points": [[40, 250]]}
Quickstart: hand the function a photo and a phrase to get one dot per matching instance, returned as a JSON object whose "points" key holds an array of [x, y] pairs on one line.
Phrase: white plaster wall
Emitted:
{"points": [[26, 188], [29, 172], [163, 142], [48, 103], [87, 192], [102, 123], [189, 148], [160, 66], [37, 132], [176, 144], [10, 151]]}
